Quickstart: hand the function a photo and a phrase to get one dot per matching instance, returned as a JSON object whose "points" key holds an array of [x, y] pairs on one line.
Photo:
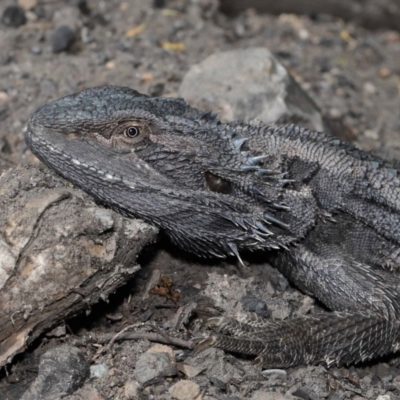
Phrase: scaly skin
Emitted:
{"points": [[327, 214]]}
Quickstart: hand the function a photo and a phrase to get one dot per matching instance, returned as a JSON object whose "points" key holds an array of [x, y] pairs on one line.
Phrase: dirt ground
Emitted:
{"points": [[351, 73]]}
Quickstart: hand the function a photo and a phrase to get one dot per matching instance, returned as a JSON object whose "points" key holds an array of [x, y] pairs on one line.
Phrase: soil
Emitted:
{"points": [[353, 74]]}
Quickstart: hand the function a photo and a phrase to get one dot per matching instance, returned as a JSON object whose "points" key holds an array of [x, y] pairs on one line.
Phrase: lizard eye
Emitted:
{"points": [[131, 132]]}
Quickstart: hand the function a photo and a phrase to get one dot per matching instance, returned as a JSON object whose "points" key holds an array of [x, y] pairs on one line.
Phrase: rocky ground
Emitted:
{"points": [[351, 77]]}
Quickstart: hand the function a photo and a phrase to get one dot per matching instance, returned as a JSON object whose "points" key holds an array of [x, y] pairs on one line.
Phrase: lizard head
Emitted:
{"points": [[178, 141], [117, 134]]}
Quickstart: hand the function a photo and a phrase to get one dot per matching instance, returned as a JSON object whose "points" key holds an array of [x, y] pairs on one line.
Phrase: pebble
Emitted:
{"points": [[98, 370], [371, 134], [162, 348], [384, 72], [131, 389], [159, 3], [185, 390], [369, 88], [4, 97], [13, 16], [189, 370], [278, 374], [154, 365], [260, 395], [27, 4], [253, 304], [62, 39], [305, 393], [37, 50]]}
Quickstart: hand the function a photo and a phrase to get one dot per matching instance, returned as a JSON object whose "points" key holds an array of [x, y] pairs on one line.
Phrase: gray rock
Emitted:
{"points": [[277, 374], [249, 84], [261, 395], [62, 370], [253, 304], [13, 16], [185, 390], [305, 393], [62, 39], [154, 365], [98, 370]]}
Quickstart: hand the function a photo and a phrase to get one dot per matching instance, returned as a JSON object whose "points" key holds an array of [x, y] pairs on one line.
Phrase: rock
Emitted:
{"points": [[27, 4], [188, 370], [305, 394], [62, 39], [131, 389], [249, 84], [154, 365], [185, 390], [253, 304], [277, 374], [13, 16], [162, 348], [62, 370], [98, 370], [260, 395], [158, 3]]}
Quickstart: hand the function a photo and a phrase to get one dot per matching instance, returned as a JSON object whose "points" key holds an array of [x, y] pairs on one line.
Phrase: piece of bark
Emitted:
{"points": [[59, 253]]}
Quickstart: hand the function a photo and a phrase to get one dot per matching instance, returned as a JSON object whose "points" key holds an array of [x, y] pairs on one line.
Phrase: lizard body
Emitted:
{"points": [[327, 214]]}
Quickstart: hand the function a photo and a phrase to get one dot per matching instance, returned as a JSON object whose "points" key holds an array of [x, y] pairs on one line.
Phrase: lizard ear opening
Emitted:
{"points": [[217, 184]]}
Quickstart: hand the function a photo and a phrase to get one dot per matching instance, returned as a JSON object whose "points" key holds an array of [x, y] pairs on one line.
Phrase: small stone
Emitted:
{"points": [[308, 302], [253, 304], [147, 77], [154, 365], [371, 134], [260, 395], [369, 88], [98, 370], [305, 393], [131, 389], [384, 72], [382, 370], [58, 331], [185, 390], [162, 348], [62, 39], [188, 370], [277, 374], [335, 113], [383, 397], [37, 50], [110, 64], [4, 97], [27, 4], [158, 3], [13, 16]]}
